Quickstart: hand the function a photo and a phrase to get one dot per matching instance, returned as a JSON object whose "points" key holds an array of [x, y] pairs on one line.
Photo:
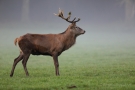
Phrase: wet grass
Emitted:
{"points": [[81, 68]]}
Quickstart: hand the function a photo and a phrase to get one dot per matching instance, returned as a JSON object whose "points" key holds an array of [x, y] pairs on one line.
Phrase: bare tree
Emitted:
{"points": [[129, 9], [25, 11]]}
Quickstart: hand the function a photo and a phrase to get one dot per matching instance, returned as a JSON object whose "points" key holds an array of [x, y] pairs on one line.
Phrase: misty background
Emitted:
{"points": [[91, 11], [107, 22]]}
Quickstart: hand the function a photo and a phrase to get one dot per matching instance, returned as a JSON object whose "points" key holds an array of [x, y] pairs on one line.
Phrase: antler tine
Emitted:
{"points": [[69, 15], [60, 14], [73, 19], [77, 20]]}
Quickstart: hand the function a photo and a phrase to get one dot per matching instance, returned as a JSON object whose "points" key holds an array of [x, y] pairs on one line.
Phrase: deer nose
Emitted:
{"points": [[84, 31]]}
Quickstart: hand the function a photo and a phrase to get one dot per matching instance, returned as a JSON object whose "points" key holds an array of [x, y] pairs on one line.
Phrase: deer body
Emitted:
{"points": [[46, 44]]}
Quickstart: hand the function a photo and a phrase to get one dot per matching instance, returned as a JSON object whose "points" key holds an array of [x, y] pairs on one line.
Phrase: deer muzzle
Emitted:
{"points": [[83, 32]]}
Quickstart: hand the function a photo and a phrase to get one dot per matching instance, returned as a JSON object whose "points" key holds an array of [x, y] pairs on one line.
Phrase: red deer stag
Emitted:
{"points": [[47, 44]]}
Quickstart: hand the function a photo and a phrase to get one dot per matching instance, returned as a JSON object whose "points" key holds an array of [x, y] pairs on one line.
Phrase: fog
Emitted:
{"points": [[90, 11], [105, 21]]}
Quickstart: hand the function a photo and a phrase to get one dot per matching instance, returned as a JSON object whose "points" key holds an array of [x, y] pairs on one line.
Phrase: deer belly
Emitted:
{"points": [[36, 52]]}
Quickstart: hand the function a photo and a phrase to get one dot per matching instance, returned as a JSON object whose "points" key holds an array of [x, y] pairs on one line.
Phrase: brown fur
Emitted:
{"points": [[46, 44]]}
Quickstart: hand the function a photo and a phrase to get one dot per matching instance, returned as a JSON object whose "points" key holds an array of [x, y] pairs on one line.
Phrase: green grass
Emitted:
{"points": [[81, 68]]}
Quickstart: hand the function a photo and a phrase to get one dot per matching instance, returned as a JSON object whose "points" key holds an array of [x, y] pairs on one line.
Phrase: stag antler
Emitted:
{"points": [[60, 14]]}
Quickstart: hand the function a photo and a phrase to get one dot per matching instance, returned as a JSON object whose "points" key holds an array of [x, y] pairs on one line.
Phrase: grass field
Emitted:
{"points": [[98, 61]]}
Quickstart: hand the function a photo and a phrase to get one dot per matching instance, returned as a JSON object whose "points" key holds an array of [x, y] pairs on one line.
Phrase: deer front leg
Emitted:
{"points": [[56, 63]]}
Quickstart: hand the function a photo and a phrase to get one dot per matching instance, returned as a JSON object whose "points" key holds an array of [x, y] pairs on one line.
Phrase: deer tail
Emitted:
{"points": [[15, 41]]}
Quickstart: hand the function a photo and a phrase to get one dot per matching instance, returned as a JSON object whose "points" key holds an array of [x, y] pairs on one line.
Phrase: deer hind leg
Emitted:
{"points": [[24, 62], [16, 60]]}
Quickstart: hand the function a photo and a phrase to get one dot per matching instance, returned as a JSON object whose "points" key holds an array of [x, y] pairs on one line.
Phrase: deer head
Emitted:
{"points": [[73, 28]]}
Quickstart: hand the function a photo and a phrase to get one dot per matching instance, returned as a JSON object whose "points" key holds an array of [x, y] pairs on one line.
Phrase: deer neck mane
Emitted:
{"points": [[68, 39]]}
